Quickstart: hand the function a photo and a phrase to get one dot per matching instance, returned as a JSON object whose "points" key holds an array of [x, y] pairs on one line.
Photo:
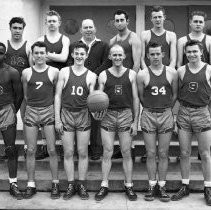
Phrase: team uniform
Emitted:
{"points": [[40, 99], [128, 61], [205, 53], [157, 114], [55, 48], [18, 59], [119, 114], [194, 97], [74, 113], [165, 47]]}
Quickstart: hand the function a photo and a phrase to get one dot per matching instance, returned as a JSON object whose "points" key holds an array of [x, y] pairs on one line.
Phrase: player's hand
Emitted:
{"points": [[99, 115], [133, 129], [59, 127]]}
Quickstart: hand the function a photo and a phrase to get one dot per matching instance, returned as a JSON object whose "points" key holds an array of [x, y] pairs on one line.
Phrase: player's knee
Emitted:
{"points": [[163, 154], [31, 151], [107, 153], [83, 154], [11, 152], [126, 153], [52, 152], [151, 154], [68, 154], [205, 155], [185, 154]]}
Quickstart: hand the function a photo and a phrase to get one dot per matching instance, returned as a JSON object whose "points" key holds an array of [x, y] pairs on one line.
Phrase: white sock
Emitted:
{"points": [[186, 181], [11, 180], [104, 183], [152, 182], [161, 183], [25, 147], [130, 184], [207, 183], [31, 184], [56, 181]]}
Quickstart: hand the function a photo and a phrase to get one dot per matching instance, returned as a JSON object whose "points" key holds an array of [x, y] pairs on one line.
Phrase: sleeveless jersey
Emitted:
{"points": [[6, 89], [165, 48], [128, 61], [18, 59], [75, 93], [119, 90], [57, 48], [40, 90], [195, 89], [158, 93], [205, 54]]}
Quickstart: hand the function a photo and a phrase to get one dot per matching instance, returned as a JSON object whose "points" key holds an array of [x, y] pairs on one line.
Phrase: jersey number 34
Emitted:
{"points": [[157, 91]]}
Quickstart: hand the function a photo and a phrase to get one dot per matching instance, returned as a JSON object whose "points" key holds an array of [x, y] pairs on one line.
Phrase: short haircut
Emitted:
{"points": [[154, 45], [121, 11], [80, 44], [198, 13], [116, 45], [53, 13], [39, 44], [19, 20], [158, 9], [3, 45], [192, 43]]}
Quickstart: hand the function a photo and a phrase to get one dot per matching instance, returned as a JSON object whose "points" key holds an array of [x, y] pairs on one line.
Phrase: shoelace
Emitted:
{"points": [[82, 188], [70, 188], [163, 191], [130, 190], [101, 191]]}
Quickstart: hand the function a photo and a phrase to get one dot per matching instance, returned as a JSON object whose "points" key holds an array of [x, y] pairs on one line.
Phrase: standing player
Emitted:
{"points": [[197, 23], [158, 34], [97, 61], [128, 40], [11, 95], [157, 87], [58, 50], [194, 116], [72, 117], [18, 54], [119, 83], [39, 84]]}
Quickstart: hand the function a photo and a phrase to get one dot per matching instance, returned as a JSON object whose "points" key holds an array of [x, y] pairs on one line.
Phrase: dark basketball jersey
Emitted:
{"points": [[75, 93], [194, 89], [165, 48], [205, 54], [18, 59], [119, 90], [158, 93], [128, 61], [6, 89], [40, 90], [57, 48]]}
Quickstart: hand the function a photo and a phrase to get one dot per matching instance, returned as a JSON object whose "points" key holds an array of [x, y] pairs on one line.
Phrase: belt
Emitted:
{"points": [[118, 109], [186, 104], [156, 110], [71, 109]]}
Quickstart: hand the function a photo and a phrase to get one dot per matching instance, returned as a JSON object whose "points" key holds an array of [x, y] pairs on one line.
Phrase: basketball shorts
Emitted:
{"points": [[157, 122], [75, 120], [117, 120], [195, 120], [7, 116], [39, 116]]}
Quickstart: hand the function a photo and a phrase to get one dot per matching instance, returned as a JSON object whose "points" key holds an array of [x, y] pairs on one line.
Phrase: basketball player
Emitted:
{"points": [[119, 83], [197, 24], [58, 50], [39, 84], [194, 117], [11, 96], [18, 53], [160, 35], [157, 85], [97, 61], [72, 117]]}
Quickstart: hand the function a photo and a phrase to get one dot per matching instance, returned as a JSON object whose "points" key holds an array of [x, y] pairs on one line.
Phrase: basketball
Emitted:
{"points": [[97, 101]]}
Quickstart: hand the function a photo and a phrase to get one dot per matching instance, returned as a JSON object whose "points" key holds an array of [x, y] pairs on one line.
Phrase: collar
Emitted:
{"points": [[91, 43]]}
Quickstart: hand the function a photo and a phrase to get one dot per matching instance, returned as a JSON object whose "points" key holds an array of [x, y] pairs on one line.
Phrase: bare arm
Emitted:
{"points": [[61, 57], [140, 85], [17, 89], [173, 50], [180, 52], [174, 85], [136, 52], [101, 80], [143, 49], [92, 81]]}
